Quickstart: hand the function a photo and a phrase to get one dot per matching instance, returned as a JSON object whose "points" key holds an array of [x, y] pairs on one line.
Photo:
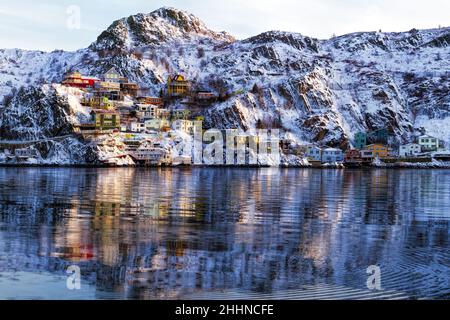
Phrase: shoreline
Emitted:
{"points": [[102, 166]]}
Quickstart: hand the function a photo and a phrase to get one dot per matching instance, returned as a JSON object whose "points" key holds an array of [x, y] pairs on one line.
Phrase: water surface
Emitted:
{"points": [[224, 233]]}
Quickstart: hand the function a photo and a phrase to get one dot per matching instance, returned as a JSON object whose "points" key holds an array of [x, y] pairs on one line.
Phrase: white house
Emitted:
{"points": [[367, 154], [429, 143], [314, 153], [410, 150], [112, 75], [147, 111], [137, 127], [331, 155]]}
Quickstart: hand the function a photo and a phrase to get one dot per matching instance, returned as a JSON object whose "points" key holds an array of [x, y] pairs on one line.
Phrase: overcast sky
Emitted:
{"points": [[52, 24]]}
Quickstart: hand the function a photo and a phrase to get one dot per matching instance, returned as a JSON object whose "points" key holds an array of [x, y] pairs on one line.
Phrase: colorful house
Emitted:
{"points": [[136, 127], [375, 151], [112, 76], [107, 86], [105, 119], [76, 79], [360, 140], [206, 96], [130, 89], [429, 143], [97, 102], [146, 111], [331, 155], [353, 156], [410, 150], [111, 95], [314, 153], [177, 86], [379, 136], [151, 100]]}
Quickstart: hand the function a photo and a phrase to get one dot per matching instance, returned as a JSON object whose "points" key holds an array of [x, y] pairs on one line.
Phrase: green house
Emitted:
{"points": [[360, 140]]}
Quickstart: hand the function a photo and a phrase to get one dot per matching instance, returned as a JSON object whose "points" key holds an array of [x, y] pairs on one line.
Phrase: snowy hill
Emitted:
{"points": [[318, 90]]}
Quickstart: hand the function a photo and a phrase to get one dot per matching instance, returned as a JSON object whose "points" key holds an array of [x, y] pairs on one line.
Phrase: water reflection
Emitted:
{"points": [[170, 233]]}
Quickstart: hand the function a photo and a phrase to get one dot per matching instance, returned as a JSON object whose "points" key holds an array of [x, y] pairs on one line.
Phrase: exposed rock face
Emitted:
{"points": [[163, 25], [35, 113], [320, 91], [38, 113]]}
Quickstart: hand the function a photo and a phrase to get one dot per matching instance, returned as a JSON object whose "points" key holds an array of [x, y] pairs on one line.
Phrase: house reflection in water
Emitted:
{"points": [[167, 233]]}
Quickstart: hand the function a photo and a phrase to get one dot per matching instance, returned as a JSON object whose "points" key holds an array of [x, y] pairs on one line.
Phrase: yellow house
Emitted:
{"points": [[108, 86], [105, 119], [378, 150], [101, 103], [177, 86]]}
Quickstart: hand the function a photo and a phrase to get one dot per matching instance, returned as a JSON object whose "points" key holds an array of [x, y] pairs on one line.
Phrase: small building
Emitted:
{"points": [[367, 155], [112, 95], [177, 86], [410, 150], [130, 89], [157, 124], [147, 111], [353, 156], [360, 140], [25, 153], [112, 76], [314, 153], [331, 155], [378, 151], [206, 96], [105, 119], [107, 86], [137, 127], [97, 102], [77, 80], [151, 100], [429, 143]]}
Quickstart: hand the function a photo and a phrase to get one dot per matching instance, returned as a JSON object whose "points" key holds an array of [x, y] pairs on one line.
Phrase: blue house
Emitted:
{"points": [[314, 153], [331, 155]]}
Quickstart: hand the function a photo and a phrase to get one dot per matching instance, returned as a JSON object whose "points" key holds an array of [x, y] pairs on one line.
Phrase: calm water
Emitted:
{"points": [[224, 233]]}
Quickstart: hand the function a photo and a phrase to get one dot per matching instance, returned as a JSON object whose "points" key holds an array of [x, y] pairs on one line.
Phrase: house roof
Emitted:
{"points": [[112, 70], [332, 149], [178, 78]]}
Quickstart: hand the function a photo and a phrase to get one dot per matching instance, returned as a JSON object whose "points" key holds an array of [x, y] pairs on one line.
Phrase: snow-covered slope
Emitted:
{"points": [[318, 90]]}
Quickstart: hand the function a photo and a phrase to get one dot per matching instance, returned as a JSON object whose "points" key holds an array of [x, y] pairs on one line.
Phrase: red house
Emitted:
{"points": [[75, 79], [353, 158]]}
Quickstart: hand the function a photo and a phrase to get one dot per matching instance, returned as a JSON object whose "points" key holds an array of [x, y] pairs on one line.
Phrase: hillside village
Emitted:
{"points": [[144, 129]]}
